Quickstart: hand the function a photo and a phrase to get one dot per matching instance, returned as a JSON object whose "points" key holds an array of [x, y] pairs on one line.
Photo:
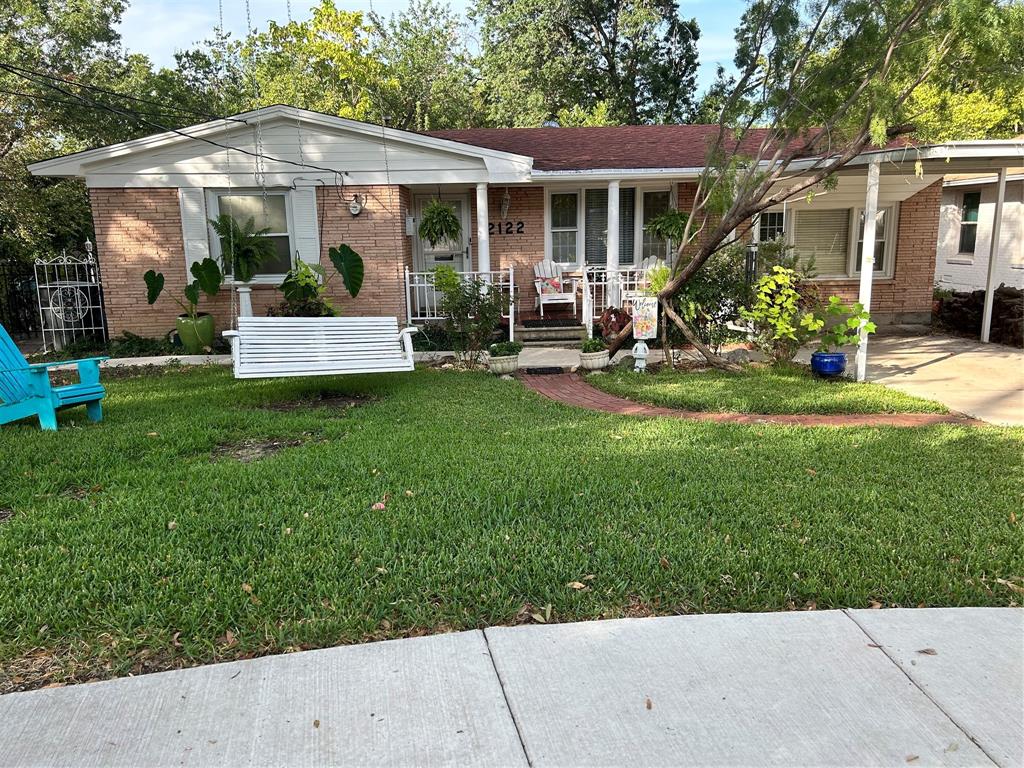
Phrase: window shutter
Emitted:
{"points": [[306, 235], [596, 229], [824, 235], [627, 224], [195, 230]]}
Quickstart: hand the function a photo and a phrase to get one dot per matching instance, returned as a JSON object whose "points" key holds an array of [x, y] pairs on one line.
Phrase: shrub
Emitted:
{"points": [[712, 298], [842, 324], [305, 285], [781, 319], [593, 345], [472, 309], [505, 349]]}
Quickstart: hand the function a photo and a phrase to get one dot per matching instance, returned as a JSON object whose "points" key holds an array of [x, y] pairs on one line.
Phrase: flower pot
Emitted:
{"points": [[506, 364], [594, 361], [828, 364], [196, 335]]}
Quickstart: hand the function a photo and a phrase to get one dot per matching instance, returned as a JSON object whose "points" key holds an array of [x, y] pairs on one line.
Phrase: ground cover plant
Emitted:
{"points": [[443, 500]]}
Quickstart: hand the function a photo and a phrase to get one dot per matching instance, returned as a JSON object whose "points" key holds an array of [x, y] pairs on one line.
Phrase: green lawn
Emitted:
{"points": [[759, 390], [137, 544]]}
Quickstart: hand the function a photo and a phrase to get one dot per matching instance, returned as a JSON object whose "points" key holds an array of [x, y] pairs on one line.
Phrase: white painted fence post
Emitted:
{"points": [[244, 301], [867, 263]]}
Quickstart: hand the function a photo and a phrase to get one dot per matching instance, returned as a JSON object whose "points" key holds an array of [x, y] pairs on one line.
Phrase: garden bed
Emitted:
{"points": [[452, 500], [759, 389]]}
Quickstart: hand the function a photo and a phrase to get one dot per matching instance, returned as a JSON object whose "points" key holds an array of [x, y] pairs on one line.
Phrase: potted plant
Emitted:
{"points": [[439, 223], [593, 355], [842, 327], [503, 357], [195, 328]]}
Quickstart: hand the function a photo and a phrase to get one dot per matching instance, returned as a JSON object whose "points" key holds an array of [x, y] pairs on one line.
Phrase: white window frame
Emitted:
{"points": [[785, 222], [548, 230], [213, 209], [967, 257], [638, 232], [889, 250]]}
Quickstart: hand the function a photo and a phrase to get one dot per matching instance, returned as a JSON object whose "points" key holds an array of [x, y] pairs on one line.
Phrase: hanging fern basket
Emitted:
{"points": [[439, 223]]}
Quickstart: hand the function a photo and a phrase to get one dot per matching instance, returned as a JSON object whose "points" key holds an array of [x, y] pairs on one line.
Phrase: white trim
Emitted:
{"points": [[213, 210], [622, 174], [888, 245], [981, 180], [549, 229]]}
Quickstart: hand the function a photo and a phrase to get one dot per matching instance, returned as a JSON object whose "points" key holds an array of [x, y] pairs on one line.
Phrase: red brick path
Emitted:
{"points": [[571, 389]]}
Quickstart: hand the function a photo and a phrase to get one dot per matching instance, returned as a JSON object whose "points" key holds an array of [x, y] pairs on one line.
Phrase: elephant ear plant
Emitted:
{"points": [[195, 329], [305, 286]]}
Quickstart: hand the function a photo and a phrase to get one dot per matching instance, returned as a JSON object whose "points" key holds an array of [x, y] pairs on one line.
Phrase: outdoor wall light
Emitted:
{"points": [[356, 206]]}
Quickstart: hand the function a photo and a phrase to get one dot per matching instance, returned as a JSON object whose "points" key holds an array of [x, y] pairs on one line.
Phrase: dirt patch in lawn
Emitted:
{"points": [[247, 451], [6, 513], [335, 400]]}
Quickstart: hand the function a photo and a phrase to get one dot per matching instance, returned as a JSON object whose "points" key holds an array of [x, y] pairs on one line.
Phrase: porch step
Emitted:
{"points": [[560, 336]]}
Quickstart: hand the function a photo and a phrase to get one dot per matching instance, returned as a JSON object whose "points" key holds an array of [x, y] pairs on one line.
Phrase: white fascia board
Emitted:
{"points": [[613, 174], [991, 150], [502, 164], [981, 180]]}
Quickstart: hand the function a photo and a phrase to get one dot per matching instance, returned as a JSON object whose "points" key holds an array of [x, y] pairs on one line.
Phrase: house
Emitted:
{"points": [[965, 231], [579, 196]]}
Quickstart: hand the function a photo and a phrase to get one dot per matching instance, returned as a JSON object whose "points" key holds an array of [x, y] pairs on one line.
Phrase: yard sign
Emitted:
{"points": [[645, 317]]}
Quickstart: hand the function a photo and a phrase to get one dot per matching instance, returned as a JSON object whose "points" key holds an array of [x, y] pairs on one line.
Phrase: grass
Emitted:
{"points": [[137, 544], [759, 390]]}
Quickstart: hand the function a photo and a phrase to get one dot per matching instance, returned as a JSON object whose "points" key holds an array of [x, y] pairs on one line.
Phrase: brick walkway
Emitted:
{"points": [[571, 389]]}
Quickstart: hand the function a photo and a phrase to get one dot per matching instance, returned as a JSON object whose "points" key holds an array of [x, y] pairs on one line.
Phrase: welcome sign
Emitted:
{"points": [[645, 317]]}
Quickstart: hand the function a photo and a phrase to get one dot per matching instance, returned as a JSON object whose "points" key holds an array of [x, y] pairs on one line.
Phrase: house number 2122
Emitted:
{"points": [[506, 228]]}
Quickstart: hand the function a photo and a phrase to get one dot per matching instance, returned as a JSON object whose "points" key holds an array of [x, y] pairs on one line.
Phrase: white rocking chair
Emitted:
{"points": [[549, 270]]}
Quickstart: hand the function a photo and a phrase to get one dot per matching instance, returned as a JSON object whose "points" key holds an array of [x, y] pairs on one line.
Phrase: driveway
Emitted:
{"points": [[982, 380]]}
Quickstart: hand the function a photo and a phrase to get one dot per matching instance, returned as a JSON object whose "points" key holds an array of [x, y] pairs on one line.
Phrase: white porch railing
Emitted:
{"points": [[604, 288], [423, 300]]}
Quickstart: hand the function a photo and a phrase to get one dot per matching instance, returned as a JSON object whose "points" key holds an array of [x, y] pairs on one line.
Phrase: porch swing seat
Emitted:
{"points": [[266, 347]]}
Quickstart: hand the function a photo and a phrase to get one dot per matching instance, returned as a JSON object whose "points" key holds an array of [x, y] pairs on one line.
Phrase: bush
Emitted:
{"points": [[593, 345], [505, 349], [843, 324], [712, 298], [780, 315], [472, 309]]}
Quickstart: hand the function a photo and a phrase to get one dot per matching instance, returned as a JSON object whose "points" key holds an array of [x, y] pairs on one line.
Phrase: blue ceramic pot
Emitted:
{"points": [[828, 364]]}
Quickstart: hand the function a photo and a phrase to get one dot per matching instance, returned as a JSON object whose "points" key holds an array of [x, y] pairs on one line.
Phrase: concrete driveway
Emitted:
{"points": [[982, 380]]}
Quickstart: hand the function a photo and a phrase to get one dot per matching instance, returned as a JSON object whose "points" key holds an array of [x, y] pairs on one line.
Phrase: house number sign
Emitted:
{"points": [[506, 228]]}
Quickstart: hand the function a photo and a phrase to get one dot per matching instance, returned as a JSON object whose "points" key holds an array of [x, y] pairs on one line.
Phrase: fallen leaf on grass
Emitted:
{"points": [[175, 641], [1010, 585], [812, 472], [576, 585], [247, 588], [875, 604], [664, 563], [171, 525], [928, 652]]}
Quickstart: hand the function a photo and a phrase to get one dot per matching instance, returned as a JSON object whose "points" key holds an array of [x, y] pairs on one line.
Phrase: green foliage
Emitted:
{"points": [[842, 324], [505, 349], [547, 58], [670, 225], [593, 345], [243, 248], [472, 309], [780, 318], [439, 223], [208, 280], [304, 290], [350, 266], [713, 297]]}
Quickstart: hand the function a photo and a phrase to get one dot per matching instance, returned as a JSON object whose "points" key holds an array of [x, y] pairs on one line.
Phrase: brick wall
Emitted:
{"points": [[907, 296], [140, 229], [520, 251]]}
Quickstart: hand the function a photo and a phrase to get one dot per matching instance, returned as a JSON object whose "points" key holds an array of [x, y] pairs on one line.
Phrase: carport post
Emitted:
{"points": [[867, 262], [993, 254]]}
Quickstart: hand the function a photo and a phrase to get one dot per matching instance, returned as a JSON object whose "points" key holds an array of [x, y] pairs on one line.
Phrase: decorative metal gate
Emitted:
{"points": [[70, 297], [18, 299]]}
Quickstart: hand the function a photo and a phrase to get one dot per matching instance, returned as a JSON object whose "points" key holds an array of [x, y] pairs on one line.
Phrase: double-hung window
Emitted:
{"points": [[969, 208], [268, 211], [822, 236], [882, 217], [564, 227], [655, 203]]}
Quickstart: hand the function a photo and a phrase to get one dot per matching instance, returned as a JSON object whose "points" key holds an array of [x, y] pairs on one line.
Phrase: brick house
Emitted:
{"points": [[524, 195]]}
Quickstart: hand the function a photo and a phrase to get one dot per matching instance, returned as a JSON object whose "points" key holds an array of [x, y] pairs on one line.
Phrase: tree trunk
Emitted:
{"points": [[716, 360]]}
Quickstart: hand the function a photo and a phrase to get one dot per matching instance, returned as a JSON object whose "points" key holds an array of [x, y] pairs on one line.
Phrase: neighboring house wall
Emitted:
{"points": [[967, 271], [141, 229]]}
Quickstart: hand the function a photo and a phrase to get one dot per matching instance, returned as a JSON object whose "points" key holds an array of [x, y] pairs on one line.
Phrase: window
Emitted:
{"points": [[564, 228], [824, 237], [269, 212], [881, 217], [655, 204], [969, 221], [771, 225]]}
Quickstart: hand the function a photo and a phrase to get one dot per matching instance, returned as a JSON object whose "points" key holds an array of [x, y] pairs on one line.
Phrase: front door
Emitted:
{"points": [[454, 254]]}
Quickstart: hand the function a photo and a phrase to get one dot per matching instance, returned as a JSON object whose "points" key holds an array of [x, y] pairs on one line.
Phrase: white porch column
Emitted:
{"points": [[612, 263], [483, 239], [867, 264], [993, 254]]}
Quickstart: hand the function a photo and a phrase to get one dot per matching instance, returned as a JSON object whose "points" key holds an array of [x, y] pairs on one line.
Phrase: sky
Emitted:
{"points": [[159, 27]]}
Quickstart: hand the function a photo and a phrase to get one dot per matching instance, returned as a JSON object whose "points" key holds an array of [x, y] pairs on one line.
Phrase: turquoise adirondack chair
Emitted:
{"points": [[25, 390]]}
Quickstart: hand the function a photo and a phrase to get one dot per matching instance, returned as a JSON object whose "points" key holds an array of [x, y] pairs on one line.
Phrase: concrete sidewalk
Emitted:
{"points": [[885, 687]]}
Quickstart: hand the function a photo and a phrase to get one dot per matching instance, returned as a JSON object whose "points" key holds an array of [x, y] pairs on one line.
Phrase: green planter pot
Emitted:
{"points": [[196, 335]]}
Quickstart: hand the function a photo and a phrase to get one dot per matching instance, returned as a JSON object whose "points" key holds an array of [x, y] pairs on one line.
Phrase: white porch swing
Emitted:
{"points": [[267, 347]]}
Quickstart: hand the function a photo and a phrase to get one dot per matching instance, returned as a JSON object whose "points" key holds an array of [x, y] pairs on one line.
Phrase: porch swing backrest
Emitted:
{"points": [[265, 347]]}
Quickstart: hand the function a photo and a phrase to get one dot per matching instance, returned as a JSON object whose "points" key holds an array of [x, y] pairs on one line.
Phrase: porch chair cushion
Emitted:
{"points": [[550, 286]]}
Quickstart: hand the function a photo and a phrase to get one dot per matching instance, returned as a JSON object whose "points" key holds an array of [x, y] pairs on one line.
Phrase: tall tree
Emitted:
{"points": [[540, 57], [818, 82]]}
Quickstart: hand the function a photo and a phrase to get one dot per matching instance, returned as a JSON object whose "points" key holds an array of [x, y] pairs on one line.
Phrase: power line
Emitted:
{"points": [[52, 100], [88, 102]]}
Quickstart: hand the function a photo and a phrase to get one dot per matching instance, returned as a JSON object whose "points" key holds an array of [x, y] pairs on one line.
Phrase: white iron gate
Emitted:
{"points": [[70, 297]]}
